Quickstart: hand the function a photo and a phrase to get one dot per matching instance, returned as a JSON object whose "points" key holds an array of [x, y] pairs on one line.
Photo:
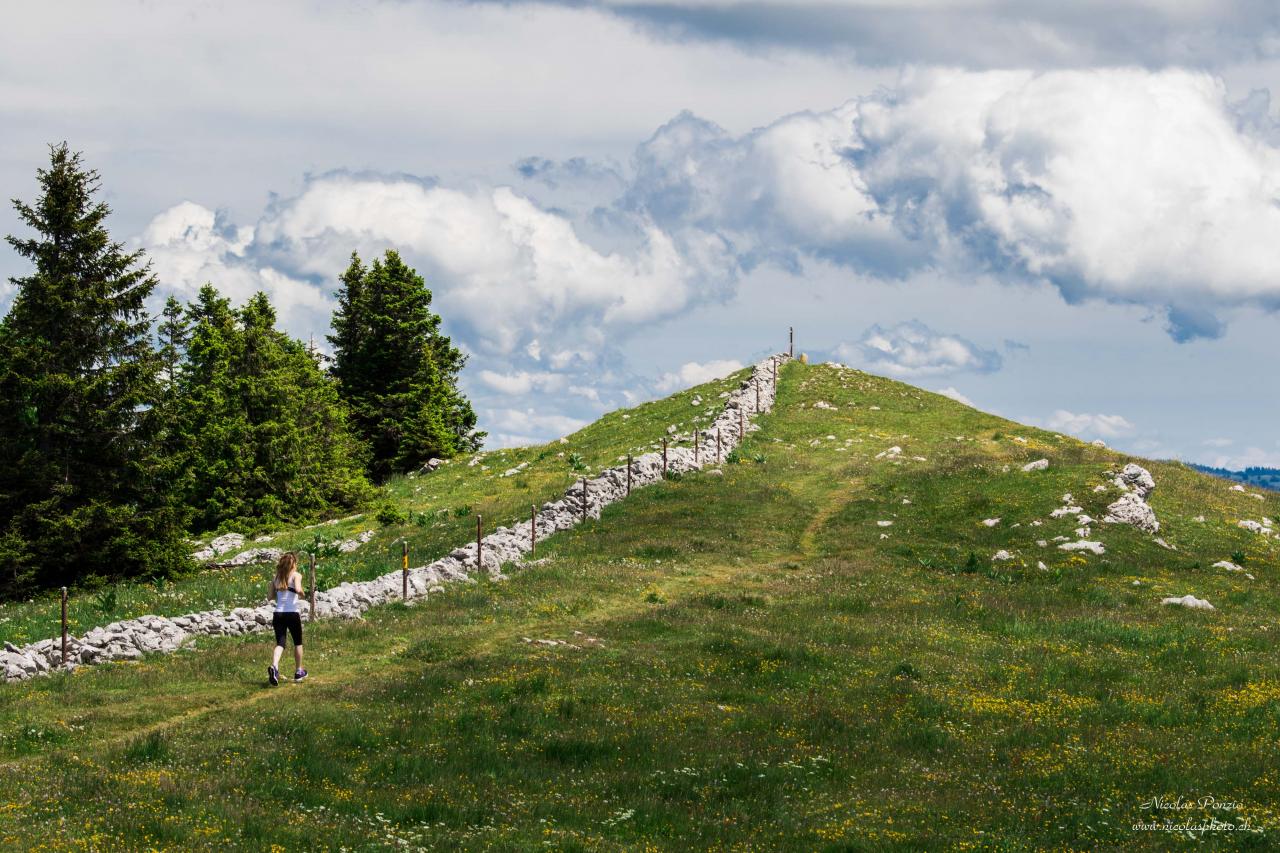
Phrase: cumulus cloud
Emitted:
{"points": [[913, 350], [994, 33], [1120, 184], [695, 373], [1085, 425], [510, 427], [189, 245], [522, 381]]}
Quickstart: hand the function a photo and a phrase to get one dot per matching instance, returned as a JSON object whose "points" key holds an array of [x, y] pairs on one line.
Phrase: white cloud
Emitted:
{"points": [[695, 373], [1218, 442], [525, 423], [521, 381], [913, 350], [1083, 425], [1119, 184], [190, 245], [1250, 457], [957, 396]]}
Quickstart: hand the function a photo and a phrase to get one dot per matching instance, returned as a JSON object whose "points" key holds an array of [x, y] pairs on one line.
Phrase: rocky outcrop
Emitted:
{"points": [[130, 639], [1132, 507], [1132, 510]]}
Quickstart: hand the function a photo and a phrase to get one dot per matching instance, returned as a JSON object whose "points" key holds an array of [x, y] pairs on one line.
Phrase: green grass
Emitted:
{"points": [[746, 664]]}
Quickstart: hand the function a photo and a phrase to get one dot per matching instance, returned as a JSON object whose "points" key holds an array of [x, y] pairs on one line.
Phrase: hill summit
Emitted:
{"points": [[885, 620]]}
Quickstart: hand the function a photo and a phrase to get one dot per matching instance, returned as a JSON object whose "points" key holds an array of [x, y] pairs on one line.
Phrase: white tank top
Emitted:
{"points": [[286, 600]]}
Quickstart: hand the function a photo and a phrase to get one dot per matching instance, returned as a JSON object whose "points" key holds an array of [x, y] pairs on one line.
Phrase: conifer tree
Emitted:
{"points": [[78, 382], [264, 436], [396, 370]]}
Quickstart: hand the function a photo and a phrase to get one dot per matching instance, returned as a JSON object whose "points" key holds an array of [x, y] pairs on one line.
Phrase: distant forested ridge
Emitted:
{"points": [[120, 436], [1262, 478]]}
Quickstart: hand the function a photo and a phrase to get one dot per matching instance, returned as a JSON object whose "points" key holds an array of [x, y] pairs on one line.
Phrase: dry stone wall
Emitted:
{"points": [[132, 638]]}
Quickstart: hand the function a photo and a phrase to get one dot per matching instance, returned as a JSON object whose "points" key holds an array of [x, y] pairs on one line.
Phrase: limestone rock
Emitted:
{"points": [[1131, 509], [1188, 601], [1138, 479], [1084, 545], [1038, 465]]}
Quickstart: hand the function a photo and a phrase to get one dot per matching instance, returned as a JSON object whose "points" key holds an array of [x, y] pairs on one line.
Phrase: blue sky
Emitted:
{"points": [[1064, 213]]}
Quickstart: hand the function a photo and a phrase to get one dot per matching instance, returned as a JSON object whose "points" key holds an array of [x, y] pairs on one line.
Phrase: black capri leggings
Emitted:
{"points": [[291, 622]]}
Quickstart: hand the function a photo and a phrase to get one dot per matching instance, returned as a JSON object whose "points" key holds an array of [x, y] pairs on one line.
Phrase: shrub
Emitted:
{"points": [[576, 462], [388, 515]]}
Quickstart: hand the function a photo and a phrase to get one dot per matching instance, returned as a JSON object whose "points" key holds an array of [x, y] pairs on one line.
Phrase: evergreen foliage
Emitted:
{"points": [[78, 384], [396, 370], [260, 433]]}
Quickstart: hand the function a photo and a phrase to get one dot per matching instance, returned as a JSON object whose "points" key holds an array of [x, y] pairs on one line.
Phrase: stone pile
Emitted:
{"points": [[130, 639]]}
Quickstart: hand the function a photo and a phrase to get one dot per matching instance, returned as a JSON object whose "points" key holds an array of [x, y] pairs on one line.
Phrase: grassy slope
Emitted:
{"points": [[442, 507], [772, 676]]}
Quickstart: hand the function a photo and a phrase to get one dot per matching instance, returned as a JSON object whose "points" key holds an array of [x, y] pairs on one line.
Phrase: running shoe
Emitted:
{"points": [[299, 675], [273, 675]]}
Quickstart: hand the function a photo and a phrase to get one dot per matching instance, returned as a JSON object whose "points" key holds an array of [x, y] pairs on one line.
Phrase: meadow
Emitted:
{"points": [[748, 661]]}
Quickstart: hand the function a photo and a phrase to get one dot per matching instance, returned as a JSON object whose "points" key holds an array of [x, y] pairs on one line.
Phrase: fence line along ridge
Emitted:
{"points": [[132, 638]]}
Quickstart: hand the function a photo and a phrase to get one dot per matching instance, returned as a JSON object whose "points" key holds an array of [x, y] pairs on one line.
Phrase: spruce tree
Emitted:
{"points": [[396, 370], [78, 383], [264, 435]]}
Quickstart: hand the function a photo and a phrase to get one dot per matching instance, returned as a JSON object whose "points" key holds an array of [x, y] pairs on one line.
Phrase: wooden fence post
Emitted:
{"points": [[312, 614], [696, 441], [774, 362], [404, 570], [791, 345], [64, 627], [664, 457], [717, 445], [628, 475], [479, 543], [584, 499], [741, 419], [533, 528], [757, 384]]}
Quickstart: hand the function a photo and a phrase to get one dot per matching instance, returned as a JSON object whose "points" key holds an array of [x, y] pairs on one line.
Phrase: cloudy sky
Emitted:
{"points": [[1068, 214]]}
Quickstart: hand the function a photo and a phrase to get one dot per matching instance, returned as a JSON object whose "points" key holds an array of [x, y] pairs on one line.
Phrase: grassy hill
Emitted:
{"points": [[746, 661]]}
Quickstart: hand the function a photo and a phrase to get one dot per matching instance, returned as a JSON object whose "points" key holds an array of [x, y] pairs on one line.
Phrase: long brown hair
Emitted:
{"points": [[287, 566]]}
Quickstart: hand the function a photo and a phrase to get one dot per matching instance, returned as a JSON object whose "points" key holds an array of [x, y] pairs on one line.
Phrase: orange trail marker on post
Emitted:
{"points": [[404, 571]]}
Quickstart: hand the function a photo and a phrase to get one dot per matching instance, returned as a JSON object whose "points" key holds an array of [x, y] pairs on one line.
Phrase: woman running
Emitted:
{"points": [[286, 588]]}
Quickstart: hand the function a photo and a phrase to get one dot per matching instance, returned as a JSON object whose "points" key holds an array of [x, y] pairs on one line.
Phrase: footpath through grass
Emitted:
{"points": [[748, 661]]}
